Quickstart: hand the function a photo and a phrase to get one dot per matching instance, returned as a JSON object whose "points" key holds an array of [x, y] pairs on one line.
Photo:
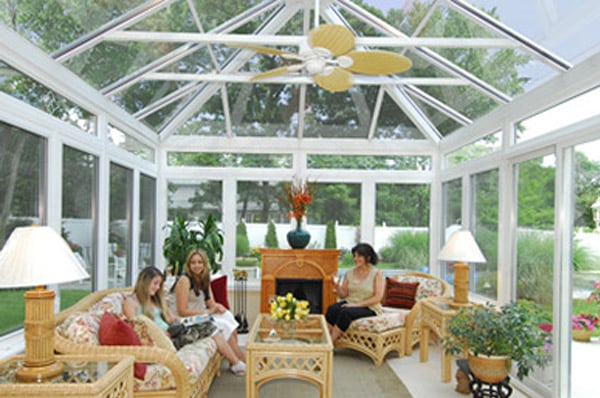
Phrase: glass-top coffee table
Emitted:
{"points": [[306, 353]]}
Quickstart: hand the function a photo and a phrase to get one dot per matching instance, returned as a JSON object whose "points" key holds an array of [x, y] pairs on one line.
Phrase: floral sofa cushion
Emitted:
{"points": [[427, 287], [390, 318], [195, 357]]}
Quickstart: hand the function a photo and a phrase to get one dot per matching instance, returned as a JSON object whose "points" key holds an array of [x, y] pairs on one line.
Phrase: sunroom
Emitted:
{"points": [[117, 117]]}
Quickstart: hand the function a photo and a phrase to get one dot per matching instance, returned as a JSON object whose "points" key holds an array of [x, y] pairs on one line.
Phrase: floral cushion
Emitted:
{"points": [[427, 287], [81, 328], [390, 318], [194, 356], [112, 303]]}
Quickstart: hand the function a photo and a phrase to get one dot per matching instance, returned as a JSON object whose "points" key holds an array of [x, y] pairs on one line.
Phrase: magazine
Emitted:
{"points": [[197, 319]]}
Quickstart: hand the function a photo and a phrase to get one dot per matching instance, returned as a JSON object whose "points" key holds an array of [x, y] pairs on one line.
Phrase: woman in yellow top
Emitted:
{"points": [[361, 292]]}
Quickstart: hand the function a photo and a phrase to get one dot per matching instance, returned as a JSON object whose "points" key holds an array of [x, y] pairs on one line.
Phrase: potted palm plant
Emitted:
{"points": [[182, 239], [513, 332]]}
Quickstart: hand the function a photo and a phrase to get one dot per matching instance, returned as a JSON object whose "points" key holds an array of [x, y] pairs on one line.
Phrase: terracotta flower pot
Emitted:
{"points": [[492, 369]]}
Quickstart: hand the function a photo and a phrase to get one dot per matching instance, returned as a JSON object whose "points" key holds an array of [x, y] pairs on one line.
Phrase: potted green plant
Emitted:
{"points": [[182, 239], [512, 332]]}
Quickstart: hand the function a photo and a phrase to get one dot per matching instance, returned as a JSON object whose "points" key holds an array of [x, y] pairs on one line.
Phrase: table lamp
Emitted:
{"points": [[462, 249], [37, 256]]}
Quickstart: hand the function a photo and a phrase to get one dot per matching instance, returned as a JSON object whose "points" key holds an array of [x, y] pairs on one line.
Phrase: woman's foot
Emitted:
{"points": [[239, 369]]}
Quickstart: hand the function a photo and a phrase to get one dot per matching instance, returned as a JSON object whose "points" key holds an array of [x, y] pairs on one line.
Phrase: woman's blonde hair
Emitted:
{"points": [[141, 292], [204, 274]]}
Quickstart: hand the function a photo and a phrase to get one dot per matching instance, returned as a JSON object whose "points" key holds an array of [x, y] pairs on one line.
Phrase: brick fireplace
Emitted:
{"points": [[301, 271]]}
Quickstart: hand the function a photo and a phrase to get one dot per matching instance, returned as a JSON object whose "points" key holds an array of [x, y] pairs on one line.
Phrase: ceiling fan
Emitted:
{"points": [[331, 60]]}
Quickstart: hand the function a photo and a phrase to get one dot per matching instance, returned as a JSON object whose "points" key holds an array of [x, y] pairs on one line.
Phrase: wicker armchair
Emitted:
{"points": [[394, 330], [162, 352]]}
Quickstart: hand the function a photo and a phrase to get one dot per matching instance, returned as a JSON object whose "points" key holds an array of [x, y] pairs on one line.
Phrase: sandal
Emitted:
{"points": [[239, 369]]}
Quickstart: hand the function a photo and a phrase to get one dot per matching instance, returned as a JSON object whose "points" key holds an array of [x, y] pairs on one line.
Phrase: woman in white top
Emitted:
{"points": [[193, 296]]}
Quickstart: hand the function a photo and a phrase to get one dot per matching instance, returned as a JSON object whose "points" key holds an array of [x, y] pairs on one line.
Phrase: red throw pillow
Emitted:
{"points": [[399, 294], [115, 331], [219, 290]]}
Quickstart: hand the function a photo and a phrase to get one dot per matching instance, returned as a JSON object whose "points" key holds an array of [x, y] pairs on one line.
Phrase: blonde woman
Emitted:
{"points": [[148, 299], [193, 296]]}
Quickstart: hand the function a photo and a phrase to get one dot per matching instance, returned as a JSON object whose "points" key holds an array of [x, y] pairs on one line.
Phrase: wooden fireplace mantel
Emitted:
{"points": [[298, 264]]}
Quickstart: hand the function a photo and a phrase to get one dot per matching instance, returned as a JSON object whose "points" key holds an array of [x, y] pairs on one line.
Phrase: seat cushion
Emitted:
{"points": [[390, 318]]}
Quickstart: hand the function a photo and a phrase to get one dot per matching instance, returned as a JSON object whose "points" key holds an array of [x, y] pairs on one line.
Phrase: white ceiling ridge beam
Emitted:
{"points": [[246, 77], [414, 113], [186, 49], [426, 53], [166, 100], [271, 25], [266, 145], [235, 40], [36, 64], [91, 39], [487, 21]]}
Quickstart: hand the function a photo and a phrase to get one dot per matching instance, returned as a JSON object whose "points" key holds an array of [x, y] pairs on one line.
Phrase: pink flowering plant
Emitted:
{"points": [[594, 296], [584, 321]]}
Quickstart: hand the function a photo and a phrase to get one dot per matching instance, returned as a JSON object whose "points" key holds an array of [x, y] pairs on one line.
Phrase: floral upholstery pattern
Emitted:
{"points": [[389, 319], [427, 287], [112, 303], [195, 358], [81, 328]]}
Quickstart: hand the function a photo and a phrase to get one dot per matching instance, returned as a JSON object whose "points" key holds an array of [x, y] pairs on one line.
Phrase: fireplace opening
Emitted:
{"points": [[303, 289]]}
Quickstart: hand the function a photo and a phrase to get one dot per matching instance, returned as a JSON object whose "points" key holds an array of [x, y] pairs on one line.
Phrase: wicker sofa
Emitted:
{"points": [[395, 329], [188, 372]]}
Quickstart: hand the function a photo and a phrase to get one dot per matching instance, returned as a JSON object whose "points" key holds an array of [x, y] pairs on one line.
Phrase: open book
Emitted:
{"points": [[197, 319]]}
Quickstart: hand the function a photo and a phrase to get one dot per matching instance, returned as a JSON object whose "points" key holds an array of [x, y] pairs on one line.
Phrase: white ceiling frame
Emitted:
{"points": [[414, 113], [187, 48], [246, 77], [235, 40], [278, 19]]}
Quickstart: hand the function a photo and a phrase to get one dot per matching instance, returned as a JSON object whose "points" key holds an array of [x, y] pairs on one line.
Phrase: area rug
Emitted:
{"points": [[354, 376]]}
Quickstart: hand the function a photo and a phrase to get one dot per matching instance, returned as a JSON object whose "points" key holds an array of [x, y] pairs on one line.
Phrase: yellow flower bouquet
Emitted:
{"points": [[288, 308]]}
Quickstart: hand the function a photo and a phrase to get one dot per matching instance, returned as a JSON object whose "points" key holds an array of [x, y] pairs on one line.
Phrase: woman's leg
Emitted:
{"points": [[235, 347], [225, 349]]}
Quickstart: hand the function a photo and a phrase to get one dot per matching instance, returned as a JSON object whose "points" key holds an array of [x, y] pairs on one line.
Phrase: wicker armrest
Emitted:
{"points": [[160, 338]]}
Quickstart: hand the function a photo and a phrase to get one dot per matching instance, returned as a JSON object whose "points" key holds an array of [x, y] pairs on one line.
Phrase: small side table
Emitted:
{"points": [[436, 312], [100, 376]]}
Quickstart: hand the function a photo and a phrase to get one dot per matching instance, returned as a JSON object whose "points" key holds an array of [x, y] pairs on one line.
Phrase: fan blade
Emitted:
{"points": [[282, 70], [268, 50], [338, 80], [336, 38], [378, 62]]}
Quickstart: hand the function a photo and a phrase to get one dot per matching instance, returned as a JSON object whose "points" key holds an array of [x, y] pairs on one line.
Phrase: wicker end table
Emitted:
{"points": [[101, 376], [307, 355]]}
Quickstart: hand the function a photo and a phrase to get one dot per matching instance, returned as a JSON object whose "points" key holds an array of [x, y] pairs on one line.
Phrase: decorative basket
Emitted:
{"points": [[583, 335]]}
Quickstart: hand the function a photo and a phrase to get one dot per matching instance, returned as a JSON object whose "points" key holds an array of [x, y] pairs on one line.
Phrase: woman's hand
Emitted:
{"points": [[217, 309]]}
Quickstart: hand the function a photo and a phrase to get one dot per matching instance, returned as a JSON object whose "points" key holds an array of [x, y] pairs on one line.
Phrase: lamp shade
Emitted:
{"points": [[462, 247], [38, 255]]}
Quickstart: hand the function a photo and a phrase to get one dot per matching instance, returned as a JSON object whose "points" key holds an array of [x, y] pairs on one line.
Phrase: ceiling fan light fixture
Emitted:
{"points": [[314, 66], [327, 70], [344, 61]]}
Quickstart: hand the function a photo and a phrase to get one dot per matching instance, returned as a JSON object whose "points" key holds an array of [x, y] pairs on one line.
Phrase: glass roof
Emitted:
{"points": [[186, 67]]}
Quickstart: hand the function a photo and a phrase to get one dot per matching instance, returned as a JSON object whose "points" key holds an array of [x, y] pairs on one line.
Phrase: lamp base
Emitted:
{"points": [[38, 374]]}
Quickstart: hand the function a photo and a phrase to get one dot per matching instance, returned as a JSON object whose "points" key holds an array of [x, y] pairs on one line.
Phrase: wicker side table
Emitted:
{"points": [[102, 376]]}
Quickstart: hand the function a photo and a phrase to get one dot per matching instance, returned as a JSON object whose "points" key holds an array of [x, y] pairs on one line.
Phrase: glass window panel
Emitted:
{"points": [[443, 123], [484, 276], [147, 221], [393, 123], [22, 171], [586, 261], [210, 159], [195, 201], [569, 112], [208, 120], [80, 179], [357, 162], [24, 88], [402, 219], [484, 146], [535, 230], [452, 218], [130, 144], [119, 230]]}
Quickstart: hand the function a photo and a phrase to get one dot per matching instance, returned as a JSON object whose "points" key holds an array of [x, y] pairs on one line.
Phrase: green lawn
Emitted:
{"points": [[12, 309]]}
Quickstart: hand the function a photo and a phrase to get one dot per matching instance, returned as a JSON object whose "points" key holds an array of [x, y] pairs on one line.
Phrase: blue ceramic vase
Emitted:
{"points": [[298, 238]]}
